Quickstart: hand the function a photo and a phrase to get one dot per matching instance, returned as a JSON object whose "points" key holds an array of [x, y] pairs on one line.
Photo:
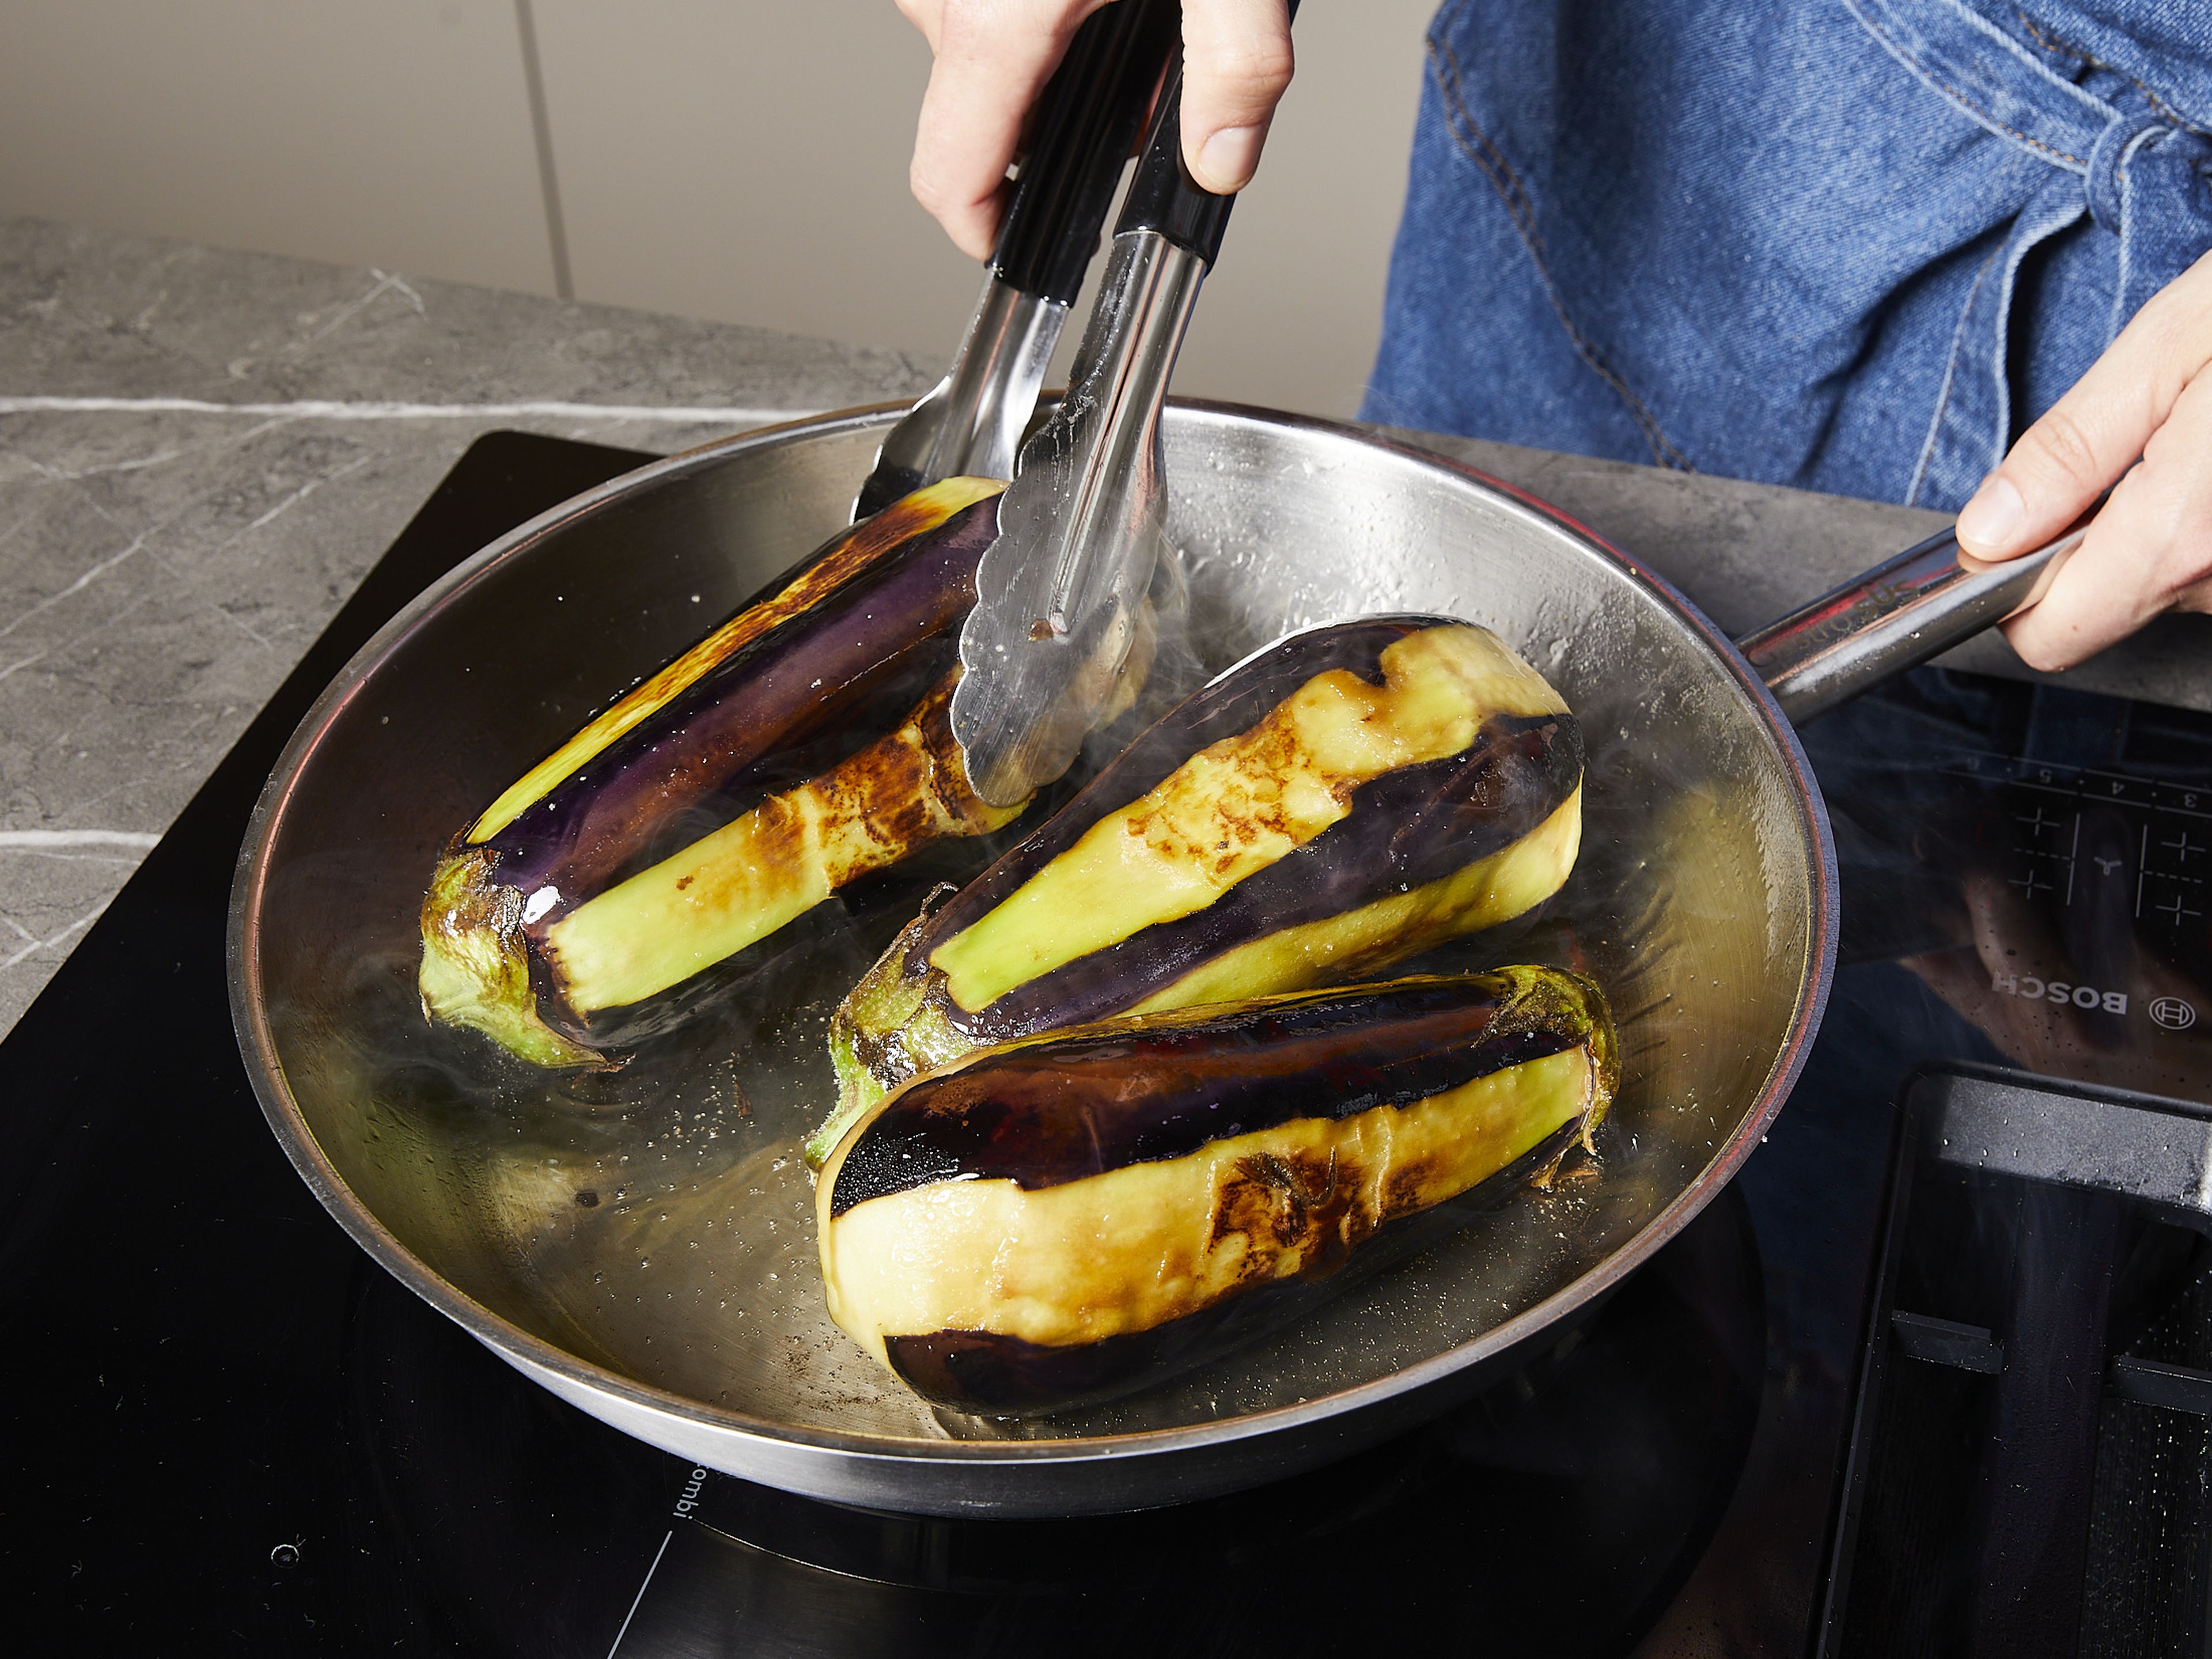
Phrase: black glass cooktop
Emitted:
{"points": [[227, 1431]]}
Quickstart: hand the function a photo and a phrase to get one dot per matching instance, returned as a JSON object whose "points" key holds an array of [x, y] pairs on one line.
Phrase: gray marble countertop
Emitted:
{"points": [[202, 452]]}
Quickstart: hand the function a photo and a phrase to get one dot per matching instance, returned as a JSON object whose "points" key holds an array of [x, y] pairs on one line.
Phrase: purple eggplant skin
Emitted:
{"points": [[828, 679], [860, 610], [1075, 1216], [1412, 830]]}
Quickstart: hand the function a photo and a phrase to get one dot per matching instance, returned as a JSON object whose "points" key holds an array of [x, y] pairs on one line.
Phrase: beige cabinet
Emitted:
{"points": [[380, 133], [743, 160]]}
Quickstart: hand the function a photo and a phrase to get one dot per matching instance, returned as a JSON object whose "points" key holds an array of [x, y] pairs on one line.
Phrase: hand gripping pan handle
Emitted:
{"points": [[1896, 616]]}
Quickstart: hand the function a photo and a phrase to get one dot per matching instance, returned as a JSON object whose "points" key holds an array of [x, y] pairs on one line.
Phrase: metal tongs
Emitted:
{"points": [[1059, 594], [1087, 120]]}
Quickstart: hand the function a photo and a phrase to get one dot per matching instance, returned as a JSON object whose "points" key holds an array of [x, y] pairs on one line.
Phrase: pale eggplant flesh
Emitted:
{"points": [[1075, 1216], [802, 744], [1340, 802]]}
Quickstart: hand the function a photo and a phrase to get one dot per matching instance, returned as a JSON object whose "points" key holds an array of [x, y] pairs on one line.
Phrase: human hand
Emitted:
{"points": [[2150, 547], [993, 56]]}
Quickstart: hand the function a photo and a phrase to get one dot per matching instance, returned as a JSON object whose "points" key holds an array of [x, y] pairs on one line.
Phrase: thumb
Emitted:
{"points": [[1237, 64], [2094, 434]]}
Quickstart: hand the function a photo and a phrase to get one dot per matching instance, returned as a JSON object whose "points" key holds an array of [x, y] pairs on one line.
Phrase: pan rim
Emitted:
{"points": [[264, 1067]]}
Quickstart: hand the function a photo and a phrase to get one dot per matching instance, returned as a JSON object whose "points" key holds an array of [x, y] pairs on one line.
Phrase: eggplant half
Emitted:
{"points": [[1339, 802], [1072, 1217], [802, 744]]}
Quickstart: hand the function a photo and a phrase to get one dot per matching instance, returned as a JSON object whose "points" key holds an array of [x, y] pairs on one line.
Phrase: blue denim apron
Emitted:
{"points": [[1851, 245]]}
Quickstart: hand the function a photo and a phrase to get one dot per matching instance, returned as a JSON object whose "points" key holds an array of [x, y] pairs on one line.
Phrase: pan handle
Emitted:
{"points": [[1896, 616]]}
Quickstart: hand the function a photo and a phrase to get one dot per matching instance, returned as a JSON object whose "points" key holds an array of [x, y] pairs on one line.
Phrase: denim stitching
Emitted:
{"points": [[1950, 373], [1507, 183], [1897, 50], [2126, 189], [2048, 42], [2126, 185], [2052, 43]]}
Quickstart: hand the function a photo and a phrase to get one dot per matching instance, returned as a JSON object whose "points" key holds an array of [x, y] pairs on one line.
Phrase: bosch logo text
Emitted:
{"points": [[2058, 991]]}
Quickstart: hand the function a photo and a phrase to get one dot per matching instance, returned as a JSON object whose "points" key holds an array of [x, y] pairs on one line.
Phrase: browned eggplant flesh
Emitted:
{"points": [[802, 745], [1344, 800], [1067, 1217]]}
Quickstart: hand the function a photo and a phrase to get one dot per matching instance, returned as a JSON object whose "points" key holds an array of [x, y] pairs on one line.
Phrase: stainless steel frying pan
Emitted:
{"points": [[642, 1244]]}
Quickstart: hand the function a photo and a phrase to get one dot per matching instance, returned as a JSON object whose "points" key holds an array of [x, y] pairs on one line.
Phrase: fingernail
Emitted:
{"points": [[1227, 160], [1994, 517]]}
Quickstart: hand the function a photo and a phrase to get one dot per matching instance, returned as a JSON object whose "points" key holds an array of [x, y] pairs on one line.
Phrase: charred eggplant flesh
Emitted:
{"points": [[800, 744], [1071, 1216], [1343, 801]]}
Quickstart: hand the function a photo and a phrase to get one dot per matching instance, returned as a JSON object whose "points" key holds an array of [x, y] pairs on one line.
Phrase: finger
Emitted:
{"points": [[1237, 63], [2089, 436], [2149, 548], [993, 56]]}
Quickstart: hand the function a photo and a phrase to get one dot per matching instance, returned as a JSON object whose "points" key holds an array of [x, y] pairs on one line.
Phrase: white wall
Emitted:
{"points": [[742, 160]]}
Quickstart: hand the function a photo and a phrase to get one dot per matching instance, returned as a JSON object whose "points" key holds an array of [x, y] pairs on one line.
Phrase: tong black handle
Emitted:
{"points": [[1163, 196], [1087, 121]]}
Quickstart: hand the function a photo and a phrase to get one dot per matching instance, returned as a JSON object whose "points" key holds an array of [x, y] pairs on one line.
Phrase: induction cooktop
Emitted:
{"points": [[229, 1430]]}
